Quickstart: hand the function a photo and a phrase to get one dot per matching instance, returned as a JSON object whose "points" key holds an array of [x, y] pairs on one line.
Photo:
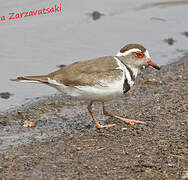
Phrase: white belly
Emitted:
{"points": [[104, 91]]}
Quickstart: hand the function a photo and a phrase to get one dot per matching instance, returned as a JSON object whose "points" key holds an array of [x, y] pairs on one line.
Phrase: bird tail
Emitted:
{"points": [[34, 79]]}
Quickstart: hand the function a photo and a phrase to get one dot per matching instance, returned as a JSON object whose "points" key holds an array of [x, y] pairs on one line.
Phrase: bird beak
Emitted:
{"points": [[151, 63]]}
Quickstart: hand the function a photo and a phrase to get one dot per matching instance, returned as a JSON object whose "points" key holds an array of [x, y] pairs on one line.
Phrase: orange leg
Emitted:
{"points": [[95, 120], [128, 121]]}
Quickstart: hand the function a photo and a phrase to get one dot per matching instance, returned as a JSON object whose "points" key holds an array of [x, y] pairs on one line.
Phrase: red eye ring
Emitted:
{"points": [[139, 54]]}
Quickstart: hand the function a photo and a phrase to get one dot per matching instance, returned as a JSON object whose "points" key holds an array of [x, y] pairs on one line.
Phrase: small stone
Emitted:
{"points": [[185, 175], [78, 148], [61, 65], [170, 41], [170, 165], [28, 123], [180, 76], [124, 129], [5, 95], [185, 33], [96, 15]]}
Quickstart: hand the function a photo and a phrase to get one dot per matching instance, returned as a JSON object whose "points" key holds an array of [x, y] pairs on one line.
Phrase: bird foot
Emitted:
{"points": [[104, 126], [127, 121], [131, 122]]}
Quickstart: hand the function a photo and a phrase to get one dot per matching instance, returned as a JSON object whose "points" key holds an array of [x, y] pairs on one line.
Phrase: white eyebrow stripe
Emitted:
{"points": [[128, 52]]}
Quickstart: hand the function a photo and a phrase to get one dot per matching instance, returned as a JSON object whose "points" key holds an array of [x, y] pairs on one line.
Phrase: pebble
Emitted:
{"points": [[28, 123], [124, 129]]}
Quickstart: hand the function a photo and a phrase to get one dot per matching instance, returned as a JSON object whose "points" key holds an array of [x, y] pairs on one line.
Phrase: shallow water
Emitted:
{"points": [[36, 45]]}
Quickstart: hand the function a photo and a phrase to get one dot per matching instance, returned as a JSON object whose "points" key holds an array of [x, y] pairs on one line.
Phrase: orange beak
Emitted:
{"points": [[151, 63]]}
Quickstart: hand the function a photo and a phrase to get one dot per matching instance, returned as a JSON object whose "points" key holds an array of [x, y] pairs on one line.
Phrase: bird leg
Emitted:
{"points": [[95, 120], [127, 121]]}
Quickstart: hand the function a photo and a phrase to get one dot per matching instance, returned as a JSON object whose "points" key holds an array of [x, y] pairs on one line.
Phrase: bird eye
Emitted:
{"points": [[138, 54]]}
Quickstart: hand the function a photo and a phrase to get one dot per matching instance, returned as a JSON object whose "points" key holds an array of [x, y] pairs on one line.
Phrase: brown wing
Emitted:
{"points": [[89, 72]]}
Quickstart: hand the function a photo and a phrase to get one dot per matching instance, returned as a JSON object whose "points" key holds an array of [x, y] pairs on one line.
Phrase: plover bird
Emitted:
{"points": [[101, 79]]}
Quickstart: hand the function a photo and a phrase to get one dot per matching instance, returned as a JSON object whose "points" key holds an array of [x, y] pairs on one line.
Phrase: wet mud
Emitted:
{"points": [[5, 95], [63, 142]]}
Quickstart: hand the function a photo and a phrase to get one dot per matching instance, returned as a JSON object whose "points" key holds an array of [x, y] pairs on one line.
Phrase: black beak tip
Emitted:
{"points": [[157, 67]]}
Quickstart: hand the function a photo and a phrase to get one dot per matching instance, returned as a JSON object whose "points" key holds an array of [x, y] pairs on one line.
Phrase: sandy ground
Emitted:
{"points": [[64, 144]]}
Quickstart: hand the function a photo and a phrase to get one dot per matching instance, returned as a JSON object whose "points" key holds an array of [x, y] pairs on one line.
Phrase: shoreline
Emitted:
{"points": [[42, 99]]}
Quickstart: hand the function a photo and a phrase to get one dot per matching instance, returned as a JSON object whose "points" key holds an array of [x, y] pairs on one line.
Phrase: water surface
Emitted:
{"points": [[36, 45]]}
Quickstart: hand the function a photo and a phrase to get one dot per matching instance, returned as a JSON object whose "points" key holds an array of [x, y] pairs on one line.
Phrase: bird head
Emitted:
{"points": [[136, 56]]}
